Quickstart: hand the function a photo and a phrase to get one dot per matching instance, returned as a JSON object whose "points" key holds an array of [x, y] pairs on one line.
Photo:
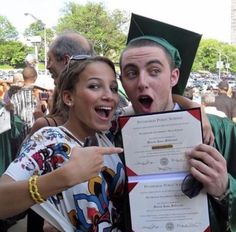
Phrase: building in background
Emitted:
{"points": [[233, 22]]}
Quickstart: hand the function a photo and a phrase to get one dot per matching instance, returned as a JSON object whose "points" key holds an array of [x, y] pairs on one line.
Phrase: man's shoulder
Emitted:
{"points": [[220, 123]]}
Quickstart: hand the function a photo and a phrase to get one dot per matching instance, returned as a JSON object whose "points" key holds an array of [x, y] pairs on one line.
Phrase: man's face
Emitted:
{"points": [[54, 67], [148, 79]]}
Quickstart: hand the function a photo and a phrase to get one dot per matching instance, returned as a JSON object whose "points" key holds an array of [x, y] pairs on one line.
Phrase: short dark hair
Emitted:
{"points": [[223, 85]]}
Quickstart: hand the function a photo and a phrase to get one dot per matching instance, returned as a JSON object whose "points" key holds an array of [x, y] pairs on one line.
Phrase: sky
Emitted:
{"points": [[211, 18]]}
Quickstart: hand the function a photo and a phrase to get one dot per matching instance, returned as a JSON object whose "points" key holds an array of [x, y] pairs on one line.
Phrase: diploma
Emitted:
{"points": [[161, 206], [156, 143], [154, 152]]}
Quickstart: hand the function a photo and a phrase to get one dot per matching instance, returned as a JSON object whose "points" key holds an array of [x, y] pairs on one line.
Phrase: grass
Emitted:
{"points": [[8, 67]]}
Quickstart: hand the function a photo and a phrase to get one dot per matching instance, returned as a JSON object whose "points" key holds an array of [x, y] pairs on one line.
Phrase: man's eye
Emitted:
{"points": [[131, 74], [155, 71]]}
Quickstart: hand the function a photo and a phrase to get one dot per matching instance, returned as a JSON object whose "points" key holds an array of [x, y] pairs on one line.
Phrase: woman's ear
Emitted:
{"points": [[174, 77], [68, 98]]}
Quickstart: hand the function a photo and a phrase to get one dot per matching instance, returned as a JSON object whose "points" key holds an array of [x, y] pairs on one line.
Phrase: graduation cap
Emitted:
{"points": [[185, 41]]}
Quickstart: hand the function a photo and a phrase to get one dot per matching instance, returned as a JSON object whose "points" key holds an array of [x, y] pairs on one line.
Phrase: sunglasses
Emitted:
{"points": [[76, 58], [79, 57], [191, 186]]}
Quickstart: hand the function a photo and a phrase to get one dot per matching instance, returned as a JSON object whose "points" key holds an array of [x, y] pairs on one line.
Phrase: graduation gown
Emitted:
{"points": [[10, 142], [223, 216]]}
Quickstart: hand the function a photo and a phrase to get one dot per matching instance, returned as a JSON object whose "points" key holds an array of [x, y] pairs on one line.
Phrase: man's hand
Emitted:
{"points": [[209, 167]]}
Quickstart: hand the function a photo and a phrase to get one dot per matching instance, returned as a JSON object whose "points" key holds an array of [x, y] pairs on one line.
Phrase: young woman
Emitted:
{"points": [[75, 188]]}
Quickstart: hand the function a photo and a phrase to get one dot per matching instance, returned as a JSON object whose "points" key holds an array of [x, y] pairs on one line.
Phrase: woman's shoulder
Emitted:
{"points": [[42, 122]]}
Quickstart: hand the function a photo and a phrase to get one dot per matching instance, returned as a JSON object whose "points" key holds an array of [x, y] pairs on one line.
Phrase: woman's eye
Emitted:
{"points": [[94, 86], [114, 89]]}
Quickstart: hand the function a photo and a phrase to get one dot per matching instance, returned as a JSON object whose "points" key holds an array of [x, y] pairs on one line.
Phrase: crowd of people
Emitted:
{"points": [[69, 167], [220, 101]]}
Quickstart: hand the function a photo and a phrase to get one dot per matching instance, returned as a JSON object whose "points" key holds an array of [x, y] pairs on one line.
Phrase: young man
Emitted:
{"points": [[157, 62], [224, 103]]}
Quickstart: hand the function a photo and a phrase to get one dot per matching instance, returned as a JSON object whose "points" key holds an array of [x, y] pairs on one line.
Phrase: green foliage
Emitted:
{"points": [[105, 30], [209, 53], [35, 29], [7, 30], [12, 53]]}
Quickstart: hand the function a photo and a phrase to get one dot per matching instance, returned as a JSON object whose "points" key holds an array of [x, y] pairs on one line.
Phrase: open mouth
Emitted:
{"points": [[146, 101], [103, 111]]}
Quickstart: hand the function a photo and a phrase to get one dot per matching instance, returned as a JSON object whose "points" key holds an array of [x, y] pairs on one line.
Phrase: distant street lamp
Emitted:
{"points": [[45, 39], [227, 65], [219, 64]]}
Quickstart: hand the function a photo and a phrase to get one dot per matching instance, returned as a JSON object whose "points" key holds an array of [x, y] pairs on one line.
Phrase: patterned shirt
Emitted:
{"points": [[24, 106], [89, 206]]}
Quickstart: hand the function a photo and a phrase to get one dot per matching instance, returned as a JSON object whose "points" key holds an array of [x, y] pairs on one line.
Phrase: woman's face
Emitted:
{"points": [[94, 98]]}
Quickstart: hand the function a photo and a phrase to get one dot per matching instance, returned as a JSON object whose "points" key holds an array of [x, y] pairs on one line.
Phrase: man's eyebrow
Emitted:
{"points": [[129, 65], [155, 61]]}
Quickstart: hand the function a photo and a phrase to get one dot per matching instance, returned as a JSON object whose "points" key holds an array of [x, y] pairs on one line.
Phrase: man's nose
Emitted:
{"points": [[142, 81]]}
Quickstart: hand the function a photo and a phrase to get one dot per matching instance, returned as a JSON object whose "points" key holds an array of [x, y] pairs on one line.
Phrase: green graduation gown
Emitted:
{"points": [[223, 216], [10, 141]]}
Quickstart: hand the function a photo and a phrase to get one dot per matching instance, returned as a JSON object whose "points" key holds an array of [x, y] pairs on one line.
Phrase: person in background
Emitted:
{"points": [[43, 92], [224, 103], [152, 66], [31, 61], [59, 53], [62, 48], [24, 101], [4, 87], [83, 185], [10, 141], [208, 101], [16, 84], [188, 93], [25, 104]]}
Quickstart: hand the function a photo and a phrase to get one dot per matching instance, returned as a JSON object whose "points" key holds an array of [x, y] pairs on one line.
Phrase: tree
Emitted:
{"points": [[7, 30], [209, 53], [105, 30], [12, 53]]}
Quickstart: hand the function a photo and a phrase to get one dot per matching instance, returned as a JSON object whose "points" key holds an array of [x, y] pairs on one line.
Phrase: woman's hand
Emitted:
{"points": [[86, 163]]}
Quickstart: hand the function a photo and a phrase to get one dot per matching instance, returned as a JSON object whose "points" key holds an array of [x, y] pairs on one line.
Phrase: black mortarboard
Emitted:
{"points": [[186, 42]]}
